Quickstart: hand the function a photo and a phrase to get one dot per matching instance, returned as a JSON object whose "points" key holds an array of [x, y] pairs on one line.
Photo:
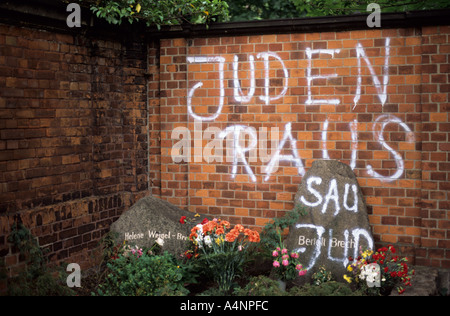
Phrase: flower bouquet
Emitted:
{"points": [[286, 265], [381, 270], [222, 250]]}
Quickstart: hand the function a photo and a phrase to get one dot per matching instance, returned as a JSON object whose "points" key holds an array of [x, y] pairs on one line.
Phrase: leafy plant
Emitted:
{"points": [[160, 12], [331, 288], [142, 274], [345, 7], [321, 276], [260, 286], [241, 10], [36, 279], [270, 238]]}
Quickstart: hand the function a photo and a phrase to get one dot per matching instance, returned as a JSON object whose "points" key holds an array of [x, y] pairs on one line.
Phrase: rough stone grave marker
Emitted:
{"points": [[336, 224], [151, 218]]}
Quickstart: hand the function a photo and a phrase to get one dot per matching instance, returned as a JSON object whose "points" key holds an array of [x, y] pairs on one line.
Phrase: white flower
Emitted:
{"points": [[208, 241], [160, 241], [199, 238]]}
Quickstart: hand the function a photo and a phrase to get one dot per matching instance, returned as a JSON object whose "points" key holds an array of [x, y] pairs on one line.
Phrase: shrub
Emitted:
{"points": [[270, 237], [261, 286], [330, 288], [143, 275], [37, 279]]}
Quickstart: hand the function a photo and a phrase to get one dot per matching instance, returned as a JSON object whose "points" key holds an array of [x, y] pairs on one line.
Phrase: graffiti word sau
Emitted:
{"points": [[332, 195]]}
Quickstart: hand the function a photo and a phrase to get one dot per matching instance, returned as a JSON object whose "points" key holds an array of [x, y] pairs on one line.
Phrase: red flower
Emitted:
{"points": [[205, 221], [183, 220]]}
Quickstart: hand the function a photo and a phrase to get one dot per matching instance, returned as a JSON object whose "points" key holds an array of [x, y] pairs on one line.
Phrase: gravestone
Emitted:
{"points": [[336, 224], [152, 218]]}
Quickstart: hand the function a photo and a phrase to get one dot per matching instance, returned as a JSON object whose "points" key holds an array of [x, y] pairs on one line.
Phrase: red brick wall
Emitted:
{"points": [[380, 105], [73, 136], [86, 125]]}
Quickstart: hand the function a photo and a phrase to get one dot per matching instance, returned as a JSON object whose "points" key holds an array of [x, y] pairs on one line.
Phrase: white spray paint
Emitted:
{"points": [[213, 59], [266, 98], [353, 208], [310, 78], [238, 94], [319, 242], [317, 249], [324, 140], [332, 195], [354, 129], [276, 158], [344, 258], [238, 152], [384, 120], [309, 182], [381, 91]]}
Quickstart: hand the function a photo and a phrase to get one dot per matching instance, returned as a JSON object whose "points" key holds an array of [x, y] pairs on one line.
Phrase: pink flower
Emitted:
{"points": [[301, 272], [275, 253], [294, 255], [284, 251], [276, 264], [299, 267], [285, 257], [285, 263]]}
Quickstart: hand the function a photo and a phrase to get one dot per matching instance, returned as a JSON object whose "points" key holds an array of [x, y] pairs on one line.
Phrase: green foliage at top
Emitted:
{"points": [[273, 9], [244, 10], [175, 12], [345, 7], [160, 12]]}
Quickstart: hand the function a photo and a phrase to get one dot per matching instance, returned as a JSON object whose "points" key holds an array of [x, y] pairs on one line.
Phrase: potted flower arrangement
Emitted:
{"points": [[382, 271], [221, 250]]}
